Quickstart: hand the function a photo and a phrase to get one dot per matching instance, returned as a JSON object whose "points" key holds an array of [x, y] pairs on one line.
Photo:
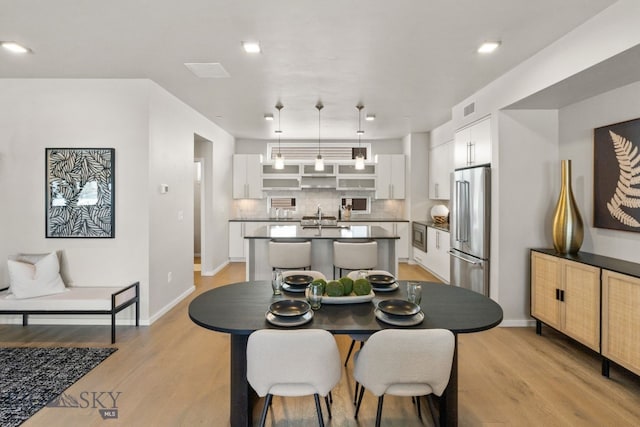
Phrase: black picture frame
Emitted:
{"points": [[80, 193], [616, 176]]}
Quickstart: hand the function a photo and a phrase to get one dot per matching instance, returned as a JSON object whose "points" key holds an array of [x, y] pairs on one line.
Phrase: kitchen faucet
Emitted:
{"points": [[319, 214]]}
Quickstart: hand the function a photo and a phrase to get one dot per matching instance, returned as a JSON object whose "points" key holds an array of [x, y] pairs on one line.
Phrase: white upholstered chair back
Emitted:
{"points": [[287, 255], [292, 362], [406, 362]]}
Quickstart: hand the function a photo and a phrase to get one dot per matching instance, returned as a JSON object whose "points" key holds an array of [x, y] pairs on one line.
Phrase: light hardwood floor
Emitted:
{"points": [[175, 373]]}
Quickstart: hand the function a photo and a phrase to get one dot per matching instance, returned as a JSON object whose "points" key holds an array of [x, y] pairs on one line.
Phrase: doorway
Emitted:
{"points": [[198, 214]]}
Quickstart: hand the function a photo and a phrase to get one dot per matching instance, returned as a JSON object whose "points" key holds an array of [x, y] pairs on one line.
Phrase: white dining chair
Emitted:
{"points": [[298, 362], [404, 362]]}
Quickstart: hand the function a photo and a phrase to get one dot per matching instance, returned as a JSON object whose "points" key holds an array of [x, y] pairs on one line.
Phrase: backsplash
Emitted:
{"points": [[307, 202]]}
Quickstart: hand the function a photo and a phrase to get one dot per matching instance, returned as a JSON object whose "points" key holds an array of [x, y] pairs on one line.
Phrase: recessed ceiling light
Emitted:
{"points": [[370, 117], [15, 47], [251, 47], [488, 47], [207, 70], [268, 117]]}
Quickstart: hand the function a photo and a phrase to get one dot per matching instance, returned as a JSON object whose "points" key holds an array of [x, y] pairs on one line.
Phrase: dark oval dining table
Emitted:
{"points": [[239, 309]]}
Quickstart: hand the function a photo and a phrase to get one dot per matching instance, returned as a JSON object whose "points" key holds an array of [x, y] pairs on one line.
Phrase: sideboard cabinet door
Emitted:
{"points": [[621, 319]]}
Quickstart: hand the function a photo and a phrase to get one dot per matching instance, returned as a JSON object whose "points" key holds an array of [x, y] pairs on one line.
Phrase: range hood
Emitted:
{"points": [[318, 182]]}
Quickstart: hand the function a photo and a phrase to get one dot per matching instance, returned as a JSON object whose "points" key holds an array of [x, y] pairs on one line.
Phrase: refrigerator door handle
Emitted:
{"points": [[458, 209], [453, 254]]}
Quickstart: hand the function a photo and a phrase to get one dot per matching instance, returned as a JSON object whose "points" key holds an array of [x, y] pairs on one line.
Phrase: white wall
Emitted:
{"points": [[523, 195], [522, 136], [152, 133], [576, 143], [35, 114]]}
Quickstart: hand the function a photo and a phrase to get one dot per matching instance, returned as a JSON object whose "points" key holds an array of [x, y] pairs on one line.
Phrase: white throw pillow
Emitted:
{"points": [[34, 280]]}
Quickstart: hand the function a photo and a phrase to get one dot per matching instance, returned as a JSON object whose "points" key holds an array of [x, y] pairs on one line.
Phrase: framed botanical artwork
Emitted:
{"points": [[616, 176], [80, 192]]}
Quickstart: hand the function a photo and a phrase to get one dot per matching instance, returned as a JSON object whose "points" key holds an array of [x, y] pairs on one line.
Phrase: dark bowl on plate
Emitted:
{"points": [[289, 308], [398, 307], [298, 280], [381, 279]]}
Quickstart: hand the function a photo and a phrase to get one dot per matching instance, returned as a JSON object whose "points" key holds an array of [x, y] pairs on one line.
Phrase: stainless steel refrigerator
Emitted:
{"points": [[470, 233]]}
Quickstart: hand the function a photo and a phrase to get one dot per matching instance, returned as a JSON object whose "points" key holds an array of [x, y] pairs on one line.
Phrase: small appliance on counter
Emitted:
{"points": [[470, 220]]}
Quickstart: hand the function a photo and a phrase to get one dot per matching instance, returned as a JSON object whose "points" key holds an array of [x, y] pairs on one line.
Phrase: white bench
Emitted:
{"points": [[76, 300]]}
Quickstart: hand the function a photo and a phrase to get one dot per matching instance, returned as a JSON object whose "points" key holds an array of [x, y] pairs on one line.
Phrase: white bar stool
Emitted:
{"points": [[354, 256], [290, 255]]}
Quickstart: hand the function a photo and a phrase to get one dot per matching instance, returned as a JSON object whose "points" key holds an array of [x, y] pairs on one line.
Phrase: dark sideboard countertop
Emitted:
{"points": [[601, 261], [294, 231]]}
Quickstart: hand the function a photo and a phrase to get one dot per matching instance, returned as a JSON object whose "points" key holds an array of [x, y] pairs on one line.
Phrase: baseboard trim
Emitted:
{"points": [[515, 323], [164, 310], [215, 270]]}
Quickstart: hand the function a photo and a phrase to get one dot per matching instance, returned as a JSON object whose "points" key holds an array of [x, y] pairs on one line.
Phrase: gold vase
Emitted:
{"points": [[568, 230]]}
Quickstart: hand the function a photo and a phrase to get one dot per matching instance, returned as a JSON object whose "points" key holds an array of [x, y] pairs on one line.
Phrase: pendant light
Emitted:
{"points": [[359, 157], [279, 160], [319, 166]]}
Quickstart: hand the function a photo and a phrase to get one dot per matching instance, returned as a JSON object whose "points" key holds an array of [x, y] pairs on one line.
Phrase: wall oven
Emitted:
{"points": [[419, 235]]}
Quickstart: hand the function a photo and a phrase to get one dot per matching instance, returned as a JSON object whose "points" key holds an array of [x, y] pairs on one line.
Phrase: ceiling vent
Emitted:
{"points": [[469, 109], [207, 70]]}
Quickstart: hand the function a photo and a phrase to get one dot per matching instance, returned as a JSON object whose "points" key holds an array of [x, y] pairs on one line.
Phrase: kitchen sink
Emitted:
{"points": [[314, 221]]}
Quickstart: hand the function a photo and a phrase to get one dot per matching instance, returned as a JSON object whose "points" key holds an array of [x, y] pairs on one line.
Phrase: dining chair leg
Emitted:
{"points": [[353, 342], [379, 413], [316, 397], [326, 401], [359, 402], [418, 405], [435, 414], [267, 403], [330, 398], [355, 395]]}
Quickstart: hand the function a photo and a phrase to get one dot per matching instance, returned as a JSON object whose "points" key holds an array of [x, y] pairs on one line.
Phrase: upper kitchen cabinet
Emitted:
{"points": [[472, 144], [247, 176], [390, 176], [440, 168]]}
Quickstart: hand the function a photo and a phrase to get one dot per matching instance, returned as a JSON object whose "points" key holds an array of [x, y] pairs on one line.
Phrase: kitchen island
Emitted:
{"points": [[257, 264]]}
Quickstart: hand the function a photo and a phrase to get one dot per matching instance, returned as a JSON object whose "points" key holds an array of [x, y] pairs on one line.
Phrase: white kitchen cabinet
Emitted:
{"points": [[472, 144], [440, 168], [436, 259], [237, 231], [247, 176], [390, 176]]}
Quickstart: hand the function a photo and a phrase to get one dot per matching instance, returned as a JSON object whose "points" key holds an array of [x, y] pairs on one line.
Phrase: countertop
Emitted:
{"points": [[292, 231], [443, 227], [296, 219]]}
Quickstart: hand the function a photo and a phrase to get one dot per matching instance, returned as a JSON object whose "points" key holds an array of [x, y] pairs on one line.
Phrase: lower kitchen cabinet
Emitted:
{"points": [[591, 298], [400, 229], [621, 319], [237, 231], [437, 257]]}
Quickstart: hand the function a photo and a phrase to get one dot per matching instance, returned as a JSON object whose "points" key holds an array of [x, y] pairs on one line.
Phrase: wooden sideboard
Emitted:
{"points": [[591, 298]]}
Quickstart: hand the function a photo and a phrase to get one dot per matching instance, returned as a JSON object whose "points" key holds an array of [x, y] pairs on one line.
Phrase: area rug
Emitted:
{"points": [[32, 377]]}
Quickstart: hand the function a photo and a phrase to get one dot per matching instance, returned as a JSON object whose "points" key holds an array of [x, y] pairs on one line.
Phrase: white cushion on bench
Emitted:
{"points": [[75, 298]]}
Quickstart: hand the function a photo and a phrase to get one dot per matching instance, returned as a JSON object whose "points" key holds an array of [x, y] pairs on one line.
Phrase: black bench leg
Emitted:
{"points": [[113, 328]]}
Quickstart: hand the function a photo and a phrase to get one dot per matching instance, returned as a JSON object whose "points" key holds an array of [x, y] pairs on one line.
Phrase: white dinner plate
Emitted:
{"points": [[416, 319], [289, 321], [297, 289], [389, 288]]}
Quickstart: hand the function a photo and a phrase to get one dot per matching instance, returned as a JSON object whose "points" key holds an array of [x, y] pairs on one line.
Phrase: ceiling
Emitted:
{"points": [[407, 61]]}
